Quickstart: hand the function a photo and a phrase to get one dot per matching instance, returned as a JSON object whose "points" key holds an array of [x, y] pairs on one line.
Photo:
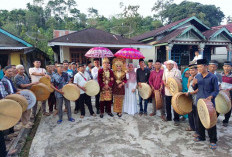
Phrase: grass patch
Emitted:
{"points": [[26, 148]]}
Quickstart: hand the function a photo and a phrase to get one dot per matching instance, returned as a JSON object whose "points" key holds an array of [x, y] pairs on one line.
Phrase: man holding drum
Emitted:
{"points": [[142, 75], [23, 82], [36, 73], [80, 79], [156, 83], [207, 85], [170, 71], [59, 80], [227, 85]]}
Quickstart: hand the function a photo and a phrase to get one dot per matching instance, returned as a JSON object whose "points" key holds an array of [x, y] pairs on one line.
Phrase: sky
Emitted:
{"points": [[111, 7]]}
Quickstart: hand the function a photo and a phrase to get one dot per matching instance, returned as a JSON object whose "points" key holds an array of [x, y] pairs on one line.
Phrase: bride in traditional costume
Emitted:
{"points": [[119, 68]]}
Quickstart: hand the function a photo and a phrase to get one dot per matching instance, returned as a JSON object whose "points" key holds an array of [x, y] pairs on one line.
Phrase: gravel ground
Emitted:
{"points": [[128, 136]]}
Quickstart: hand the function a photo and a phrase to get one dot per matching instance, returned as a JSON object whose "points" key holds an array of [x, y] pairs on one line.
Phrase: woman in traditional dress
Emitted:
{"points": [[119, 69], [130, 101], [185, 76]]}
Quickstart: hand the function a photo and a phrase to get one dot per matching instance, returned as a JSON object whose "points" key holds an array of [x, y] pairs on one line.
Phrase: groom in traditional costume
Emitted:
{"points": [[106, 81]]}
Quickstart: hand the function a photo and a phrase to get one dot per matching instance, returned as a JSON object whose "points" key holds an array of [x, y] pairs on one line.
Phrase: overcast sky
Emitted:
{"points": [[111, 7]]}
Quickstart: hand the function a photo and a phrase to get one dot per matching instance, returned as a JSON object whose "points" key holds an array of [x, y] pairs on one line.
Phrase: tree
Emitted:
{"points": [[209, 14]]}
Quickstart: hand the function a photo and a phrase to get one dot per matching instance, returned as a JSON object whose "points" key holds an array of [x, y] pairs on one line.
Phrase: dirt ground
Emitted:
{"points": [[128, 136]]}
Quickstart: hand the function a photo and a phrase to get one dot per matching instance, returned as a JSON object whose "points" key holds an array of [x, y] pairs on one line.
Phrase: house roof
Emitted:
{"points": [[171, 27], [94, 36], [178, 32], [228, 26], [215, 31], [8, 39]]}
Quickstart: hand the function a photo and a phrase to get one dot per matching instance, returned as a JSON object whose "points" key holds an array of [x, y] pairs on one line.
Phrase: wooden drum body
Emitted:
{"points": [[145, 91], [92, 88], [41, 91], [71, 92], [158, 99], [207, 113], [223, 102], [175, 85], [181, 103]]}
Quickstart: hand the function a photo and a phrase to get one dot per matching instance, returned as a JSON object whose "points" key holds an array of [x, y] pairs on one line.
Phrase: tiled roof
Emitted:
{"points": [[94, 36], [228, 26], [210, 32]]}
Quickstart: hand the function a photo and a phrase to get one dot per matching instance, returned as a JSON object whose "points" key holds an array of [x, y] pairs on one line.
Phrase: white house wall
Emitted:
{"points": [[220, 54]]}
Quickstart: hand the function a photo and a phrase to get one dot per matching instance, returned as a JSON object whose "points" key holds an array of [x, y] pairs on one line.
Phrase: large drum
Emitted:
{"points": [[207, 113], [158, 99], [222, 102], [71, 92], [10, 113], [175, 85], [47, 81], [145, 91], [20, 99], [41, 91], [92, 88], [181, 103], [30, 96]]}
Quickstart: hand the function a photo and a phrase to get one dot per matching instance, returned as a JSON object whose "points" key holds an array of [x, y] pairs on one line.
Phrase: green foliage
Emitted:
{"points": [[209, 14]]}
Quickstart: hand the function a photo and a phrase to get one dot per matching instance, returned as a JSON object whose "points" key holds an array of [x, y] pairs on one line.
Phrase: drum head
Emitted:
{"points": [[174, 85], [145, 91], [207, 113], [47, 81], [20, 99], [92, 88], [181, 103], [41, 91], [223, 103], [71, 92], [10, 113], [30, 96]]}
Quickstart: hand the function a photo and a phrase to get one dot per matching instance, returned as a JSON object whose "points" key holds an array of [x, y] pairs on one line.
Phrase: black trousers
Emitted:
{"points": [[227, 117], [97, 101], [193, 118], [169, 109], [85, 99], [77, 106], [3, 152], [212, 132]]}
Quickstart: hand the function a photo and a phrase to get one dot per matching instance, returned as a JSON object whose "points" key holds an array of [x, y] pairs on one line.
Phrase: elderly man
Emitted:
{"points": [[23, 82], [227, 85], [197, 57], [36, 73], [169, 72], [207, 85]]}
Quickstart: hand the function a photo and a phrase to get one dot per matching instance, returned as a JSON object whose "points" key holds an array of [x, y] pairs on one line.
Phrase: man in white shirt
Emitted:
{"points": [[169, 72], [94, 73], [36, 73], [80, 79], [197, 56]]}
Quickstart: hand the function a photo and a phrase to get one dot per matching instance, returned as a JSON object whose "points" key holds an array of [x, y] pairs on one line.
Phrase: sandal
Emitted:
{"points": [[213, 146], [188, 129], [195, 135], [71, 120], [197, 139], [46, 114], [59, 121], [82, 116]]}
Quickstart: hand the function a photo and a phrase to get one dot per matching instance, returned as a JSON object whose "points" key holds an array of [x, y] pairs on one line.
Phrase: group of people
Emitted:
{"points": [[118, 85]]}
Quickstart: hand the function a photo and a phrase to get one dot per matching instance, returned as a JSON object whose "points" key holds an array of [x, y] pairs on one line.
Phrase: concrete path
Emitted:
{"points": [[128, 136]]}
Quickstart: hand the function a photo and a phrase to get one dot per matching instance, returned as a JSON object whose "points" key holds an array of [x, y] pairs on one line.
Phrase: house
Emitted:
{"points": [[73, 46], [179, 40], [14, 51]]}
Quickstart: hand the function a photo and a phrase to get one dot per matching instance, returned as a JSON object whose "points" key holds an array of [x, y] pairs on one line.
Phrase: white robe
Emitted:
{"points": [[130, 100]]}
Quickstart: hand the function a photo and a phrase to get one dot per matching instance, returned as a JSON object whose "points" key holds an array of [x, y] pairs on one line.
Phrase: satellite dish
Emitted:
{"points": [[122, 30], [37, 36]]}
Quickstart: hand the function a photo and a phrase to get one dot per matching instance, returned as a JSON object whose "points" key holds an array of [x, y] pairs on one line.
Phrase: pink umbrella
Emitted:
{"points": [[99, 52], [129, 53]]}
